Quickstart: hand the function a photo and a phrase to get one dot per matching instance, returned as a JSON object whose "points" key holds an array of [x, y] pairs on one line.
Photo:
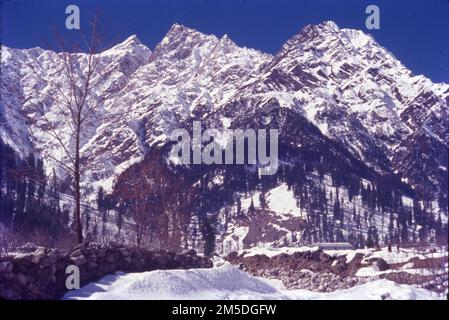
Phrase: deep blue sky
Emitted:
{"points": [[417, 32]]}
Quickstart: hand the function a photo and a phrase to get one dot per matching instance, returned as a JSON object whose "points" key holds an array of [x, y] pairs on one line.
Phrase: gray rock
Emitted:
{"points": [[6, 267], [40, 251], [38, 255], [53, 256], [125, 252], [386, 296], [382, 264], [21, 257], [22, 279], [79, 261], [76, 253]]}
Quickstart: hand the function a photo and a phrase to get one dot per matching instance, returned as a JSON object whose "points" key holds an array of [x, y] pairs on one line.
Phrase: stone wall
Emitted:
{"points": [[41, 274]]}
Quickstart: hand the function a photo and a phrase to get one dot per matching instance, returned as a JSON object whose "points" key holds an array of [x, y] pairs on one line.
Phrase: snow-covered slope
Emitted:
{"points": [[30, 101], [227, 282]]}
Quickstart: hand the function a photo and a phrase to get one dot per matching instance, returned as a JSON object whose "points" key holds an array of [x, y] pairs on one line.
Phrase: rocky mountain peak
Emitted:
{"points": [[326, 26], [180, 35], [131, 41], [131, 45]]}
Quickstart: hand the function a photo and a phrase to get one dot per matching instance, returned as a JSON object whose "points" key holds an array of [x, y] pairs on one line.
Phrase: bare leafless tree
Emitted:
{"points": [[157, 200], [74, 98], [142, 197]]}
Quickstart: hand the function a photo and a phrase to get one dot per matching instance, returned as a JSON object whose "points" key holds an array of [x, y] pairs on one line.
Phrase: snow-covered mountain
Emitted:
{"points": [[327, 90], [359, 94], [153, 92], [352, 89]]}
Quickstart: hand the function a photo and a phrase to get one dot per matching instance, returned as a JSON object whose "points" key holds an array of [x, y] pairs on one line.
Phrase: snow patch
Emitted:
{"points": [[282, 201]]}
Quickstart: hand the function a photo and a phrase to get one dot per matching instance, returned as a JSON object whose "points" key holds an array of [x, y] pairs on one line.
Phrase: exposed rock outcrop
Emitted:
{"points": [[321, 271], [313, 270]]}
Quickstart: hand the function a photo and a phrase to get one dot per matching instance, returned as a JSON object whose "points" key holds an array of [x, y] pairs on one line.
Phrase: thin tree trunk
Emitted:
{"points": [[78, 227]]}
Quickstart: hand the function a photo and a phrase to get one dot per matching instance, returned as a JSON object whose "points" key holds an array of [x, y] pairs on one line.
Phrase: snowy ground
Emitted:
{"points": [[395, 256], [227, 282], [271, 252]]}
